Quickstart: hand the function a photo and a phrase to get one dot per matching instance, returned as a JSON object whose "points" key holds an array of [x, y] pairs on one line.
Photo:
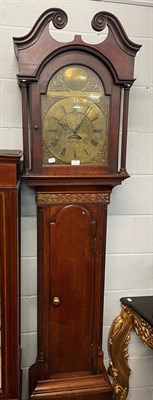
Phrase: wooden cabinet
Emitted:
{"points": [[9, 274]]}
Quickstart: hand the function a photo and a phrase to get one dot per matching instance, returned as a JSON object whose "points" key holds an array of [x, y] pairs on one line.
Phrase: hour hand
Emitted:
{"points": [[64, 126], [79, 125]]}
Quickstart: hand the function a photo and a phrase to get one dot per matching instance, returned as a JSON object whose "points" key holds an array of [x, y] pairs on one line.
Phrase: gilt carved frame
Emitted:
{"points": [[119, 337]]}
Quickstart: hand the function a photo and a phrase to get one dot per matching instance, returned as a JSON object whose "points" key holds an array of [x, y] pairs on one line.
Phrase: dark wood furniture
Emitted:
{"points": [[72, 92], [9, 272], [137, 314]]}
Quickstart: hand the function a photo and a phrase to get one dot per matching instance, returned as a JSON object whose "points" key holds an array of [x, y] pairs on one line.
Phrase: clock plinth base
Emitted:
{"points": [[93, 387]]}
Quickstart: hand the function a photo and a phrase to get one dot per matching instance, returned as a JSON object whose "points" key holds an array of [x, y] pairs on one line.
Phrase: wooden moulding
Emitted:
{"points": [[89, 388]]}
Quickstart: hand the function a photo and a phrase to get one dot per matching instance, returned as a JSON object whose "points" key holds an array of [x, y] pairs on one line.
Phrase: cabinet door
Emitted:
{"points": [[73, 272]]}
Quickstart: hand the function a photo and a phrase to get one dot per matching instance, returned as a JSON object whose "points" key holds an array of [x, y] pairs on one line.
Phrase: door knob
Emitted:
{"points": [[56, 301]]}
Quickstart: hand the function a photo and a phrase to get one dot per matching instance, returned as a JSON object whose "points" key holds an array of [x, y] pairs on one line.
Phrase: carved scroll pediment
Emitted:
{"points": [[117, 50]]}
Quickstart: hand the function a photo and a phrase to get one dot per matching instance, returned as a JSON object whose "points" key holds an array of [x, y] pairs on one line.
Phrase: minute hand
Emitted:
{"points": [[79, 125], [85, 115]]}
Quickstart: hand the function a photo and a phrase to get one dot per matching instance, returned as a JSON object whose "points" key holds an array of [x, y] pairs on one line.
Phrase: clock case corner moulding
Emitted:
{"points": [[73, 95]]}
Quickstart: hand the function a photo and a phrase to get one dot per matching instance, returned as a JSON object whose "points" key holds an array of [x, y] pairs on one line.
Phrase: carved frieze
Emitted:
{"points": [[54, 198]]}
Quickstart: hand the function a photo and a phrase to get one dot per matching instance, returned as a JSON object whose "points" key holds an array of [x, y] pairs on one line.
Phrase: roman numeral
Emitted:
{"points": [[86, 152], [75, 106], [63, 151], [55, 119], [63, 109], [92, 141], [88, 110], [75, 154], [95, 118], [55, 142], [96, 130]]}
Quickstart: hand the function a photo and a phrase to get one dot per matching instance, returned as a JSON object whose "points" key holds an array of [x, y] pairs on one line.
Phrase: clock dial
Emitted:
{"points": [[73, 130], [75, 118]]}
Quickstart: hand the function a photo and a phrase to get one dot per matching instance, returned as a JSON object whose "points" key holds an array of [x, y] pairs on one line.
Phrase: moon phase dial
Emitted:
{"points": [[74, 129]]}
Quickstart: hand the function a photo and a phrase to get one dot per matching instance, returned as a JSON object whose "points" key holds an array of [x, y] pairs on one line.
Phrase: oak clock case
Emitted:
{"points": [[72, 93]]}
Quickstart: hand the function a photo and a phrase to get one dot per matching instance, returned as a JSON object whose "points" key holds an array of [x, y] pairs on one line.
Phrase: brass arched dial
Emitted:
{"points": [[74, 129]]}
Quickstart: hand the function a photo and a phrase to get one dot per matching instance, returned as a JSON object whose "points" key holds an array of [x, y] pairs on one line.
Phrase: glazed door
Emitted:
{"points": [[73, 273]]}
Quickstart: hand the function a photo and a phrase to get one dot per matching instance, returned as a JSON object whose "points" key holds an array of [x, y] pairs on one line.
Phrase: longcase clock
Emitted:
{"points": [[72, 93]]}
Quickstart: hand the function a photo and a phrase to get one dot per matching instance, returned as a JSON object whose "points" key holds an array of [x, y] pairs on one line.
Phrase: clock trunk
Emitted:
{"points": [[71, 255]]}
